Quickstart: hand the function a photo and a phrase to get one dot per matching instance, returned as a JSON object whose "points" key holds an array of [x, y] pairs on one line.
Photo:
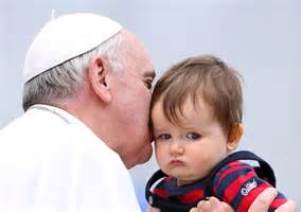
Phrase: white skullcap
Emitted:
{"points": [[64, 38]]}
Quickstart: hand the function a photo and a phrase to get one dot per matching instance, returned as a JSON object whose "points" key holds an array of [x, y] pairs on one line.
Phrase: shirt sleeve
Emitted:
{"points": [[238, 185]]}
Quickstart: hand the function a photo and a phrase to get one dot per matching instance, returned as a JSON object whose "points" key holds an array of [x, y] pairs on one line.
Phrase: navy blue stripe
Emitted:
{"points": [[279, 196], [172, 189], [231, 177], [238, 198]]}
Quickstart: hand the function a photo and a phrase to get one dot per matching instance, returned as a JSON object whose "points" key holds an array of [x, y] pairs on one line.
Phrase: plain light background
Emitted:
{"points": [[259, 38]]}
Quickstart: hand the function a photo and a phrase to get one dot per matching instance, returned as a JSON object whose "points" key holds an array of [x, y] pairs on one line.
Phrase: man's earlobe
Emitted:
{"points": [[98, 74], [234, 136]]}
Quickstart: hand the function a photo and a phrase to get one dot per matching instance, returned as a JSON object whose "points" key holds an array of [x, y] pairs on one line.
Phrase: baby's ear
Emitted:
{"points": [[235, 136]]}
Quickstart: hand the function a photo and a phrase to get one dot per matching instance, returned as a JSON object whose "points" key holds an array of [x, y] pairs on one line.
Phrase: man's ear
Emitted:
{"points": [[235, 136], [98, 74]]}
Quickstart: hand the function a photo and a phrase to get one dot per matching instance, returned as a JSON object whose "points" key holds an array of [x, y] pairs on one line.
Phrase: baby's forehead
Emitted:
{"points": [[187, 111]]}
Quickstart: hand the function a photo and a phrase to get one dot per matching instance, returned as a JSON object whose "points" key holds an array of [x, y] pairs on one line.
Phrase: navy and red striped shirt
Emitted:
{"points": [[235, 183]]}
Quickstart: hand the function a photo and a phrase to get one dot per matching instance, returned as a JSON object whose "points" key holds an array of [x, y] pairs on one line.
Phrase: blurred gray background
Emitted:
{"points": [[259, 38]]}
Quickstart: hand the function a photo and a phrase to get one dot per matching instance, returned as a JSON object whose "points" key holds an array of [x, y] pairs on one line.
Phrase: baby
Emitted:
{"points": [[196, 118]]}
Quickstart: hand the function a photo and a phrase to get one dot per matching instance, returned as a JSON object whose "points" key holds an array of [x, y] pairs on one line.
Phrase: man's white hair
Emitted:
{"points": [[64, 81]]}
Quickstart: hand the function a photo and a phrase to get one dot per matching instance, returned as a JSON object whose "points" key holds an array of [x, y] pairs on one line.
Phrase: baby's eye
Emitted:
{"points": [[193, 136], [163, 137]]}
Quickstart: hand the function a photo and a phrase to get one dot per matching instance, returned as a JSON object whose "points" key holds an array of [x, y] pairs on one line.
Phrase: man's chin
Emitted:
{"points": [[140, 157], [146, 156]]}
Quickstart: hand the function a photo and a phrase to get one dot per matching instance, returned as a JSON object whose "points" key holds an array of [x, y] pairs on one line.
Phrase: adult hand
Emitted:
{"points": [[289, 206], [151, 209], [212, 205], [261, 203]]}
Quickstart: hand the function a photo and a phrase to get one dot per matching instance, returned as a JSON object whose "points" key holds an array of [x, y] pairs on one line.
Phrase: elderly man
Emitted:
{"points": [[87, 87]]}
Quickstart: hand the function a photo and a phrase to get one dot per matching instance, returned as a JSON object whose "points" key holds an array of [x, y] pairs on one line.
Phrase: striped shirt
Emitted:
{"points": [[235, 183]]}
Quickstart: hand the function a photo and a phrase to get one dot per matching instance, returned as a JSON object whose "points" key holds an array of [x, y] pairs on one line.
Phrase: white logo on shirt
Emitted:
{"points": [[249, 186]]}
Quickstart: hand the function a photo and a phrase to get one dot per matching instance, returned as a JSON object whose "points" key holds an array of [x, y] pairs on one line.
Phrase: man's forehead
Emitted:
{"points": [[143, 74], [137, 56]]}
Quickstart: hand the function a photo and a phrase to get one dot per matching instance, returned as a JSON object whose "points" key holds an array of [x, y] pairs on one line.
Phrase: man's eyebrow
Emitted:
{"points": [[150, 74]]}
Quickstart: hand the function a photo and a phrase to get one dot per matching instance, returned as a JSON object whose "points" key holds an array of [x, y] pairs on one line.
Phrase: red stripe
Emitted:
{"points": [[278, 202], [232, 190], [232, 166], [192, 196], [248, 200], [228, 172], [229, 167], [161, 192]]}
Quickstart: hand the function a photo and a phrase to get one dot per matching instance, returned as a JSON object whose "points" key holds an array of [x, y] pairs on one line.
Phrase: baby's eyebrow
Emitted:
{"points": [[158, 130]]}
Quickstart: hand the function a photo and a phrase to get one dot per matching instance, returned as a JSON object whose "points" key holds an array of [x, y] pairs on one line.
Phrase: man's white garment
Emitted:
{"points": [[51, 162]]}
